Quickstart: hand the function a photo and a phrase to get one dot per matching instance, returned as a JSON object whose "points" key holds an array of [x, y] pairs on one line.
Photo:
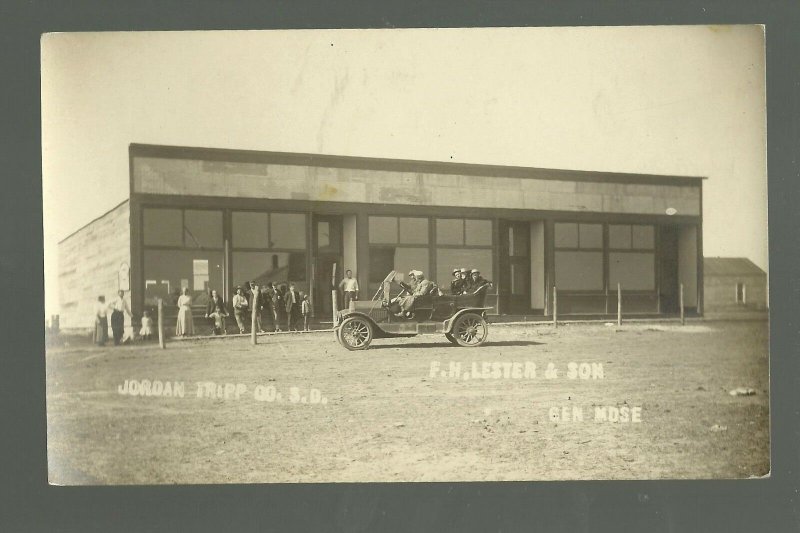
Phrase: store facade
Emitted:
{"points": [[214, 219]]}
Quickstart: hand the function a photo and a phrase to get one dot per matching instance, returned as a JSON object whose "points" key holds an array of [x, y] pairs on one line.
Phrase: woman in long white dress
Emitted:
{"points": [[185, 325]]}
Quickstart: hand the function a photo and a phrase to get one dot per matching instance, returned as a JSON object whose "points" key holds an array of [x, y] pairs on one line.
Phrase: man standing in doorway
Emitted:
{"points": [[349, 287]]}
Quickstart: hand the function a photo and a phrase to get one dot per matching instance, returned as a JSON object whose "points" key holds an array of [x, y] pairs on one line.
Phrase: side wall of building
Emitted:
{"points": [[720, 292], [89, 263]]}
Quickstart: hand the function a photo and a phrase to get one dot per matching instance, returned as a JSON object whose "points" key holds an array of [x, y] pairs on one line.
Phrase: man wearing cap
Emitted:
{"points": [[457, 285]]}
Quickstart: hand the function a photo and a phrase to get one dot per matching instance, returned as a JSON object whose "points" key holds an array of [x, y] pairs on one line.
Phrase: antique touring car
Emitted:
{"points": [[460, 318]]}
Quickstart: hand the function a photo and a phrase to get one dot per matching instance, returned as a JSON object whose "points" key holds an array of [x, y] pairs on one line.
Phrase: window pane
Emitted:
{"points": [[591, 235], [329, 236], [323, 234], [170, 270], [518, 241], [449, 258], [383, 230], [619, 237], [385, 259], [277, 267], [381, 262], [202, 229], [579, 271], [479, 232], [634, 271], [450, 230], [566, 235], [414, 230], [288, 230], [250, 230], [163, 227], [406, 259], [643, 237]]}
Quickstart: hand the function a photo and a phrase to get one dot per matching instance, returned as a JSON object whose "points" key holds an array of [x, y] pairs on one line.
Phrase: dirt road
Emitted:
{"points": [[310, 411]]}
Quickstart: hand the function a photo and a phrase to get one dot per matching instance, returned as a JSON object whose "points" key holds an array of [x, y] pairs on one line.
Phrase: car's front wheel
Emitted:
{"points": [[470, 329], [355, 333]]}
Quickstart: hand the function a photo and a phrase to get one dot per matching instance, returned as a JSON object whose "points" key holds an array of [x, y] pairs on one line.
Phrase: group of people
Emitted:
{"points": [[464, 282], [275, 304], [281, 304], [118, 308]]}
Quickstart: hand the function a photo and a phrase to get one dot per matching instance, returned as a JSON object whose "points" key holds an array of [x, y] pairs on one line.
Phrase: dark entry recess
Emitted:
{"points": [[515, 267], [327, 235]]}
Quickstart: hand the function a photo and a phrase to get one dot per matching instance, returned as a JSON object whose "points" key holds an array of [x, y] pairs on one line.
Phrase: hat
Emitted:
{"points": [[476, 271], [464, 270], [456, 270]]}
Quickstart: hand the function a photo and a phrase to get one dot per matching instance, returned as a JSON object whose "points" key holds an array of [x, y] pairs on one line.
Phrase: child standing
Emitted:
{"points": [[147, 326], [219, 321], [306, 310]]}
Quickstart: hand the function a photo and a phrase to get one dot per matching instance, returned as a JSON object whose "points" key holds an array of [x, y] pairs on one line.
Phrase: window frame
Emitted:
{"points": [[183, 245], [304, 249]]}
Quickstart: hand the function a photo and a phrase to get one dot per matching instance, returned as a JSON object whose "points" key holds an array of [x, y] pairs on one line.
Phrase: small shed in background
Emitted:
{"points": [[733, 284]]}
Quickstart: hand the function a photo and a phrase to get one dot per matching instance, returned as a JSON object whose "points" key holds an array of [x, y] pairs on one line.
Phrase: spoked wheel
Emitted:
{"points": [[355, 333], [451, 338], [470, 329]]}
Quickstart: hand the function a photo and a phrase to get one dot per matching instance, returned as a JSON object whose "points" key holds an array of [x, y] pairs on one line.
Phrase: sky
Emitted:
{"points": [[677, 100]]}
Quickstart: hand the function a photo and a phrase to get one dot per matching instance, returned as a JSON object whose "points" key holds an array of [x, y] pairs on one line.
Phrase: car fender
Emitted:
{"points": [[377, 332], [448, 324]]}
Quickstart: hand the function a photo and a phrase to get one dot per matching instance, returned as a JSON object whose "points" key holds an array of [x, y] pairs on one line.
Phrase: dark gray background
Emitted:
{"points": [[27, 503]]}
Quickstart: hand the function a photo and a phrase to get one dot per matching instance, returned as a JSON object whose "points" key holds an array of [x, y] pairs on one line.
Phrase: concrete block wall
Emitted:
{"points": [[88, 266], [163, 175]]}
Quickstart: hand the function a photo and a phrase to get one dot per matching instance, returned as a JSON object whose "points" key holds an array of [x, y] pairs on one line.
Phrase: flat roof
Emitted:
{"points": [[400, 165]]}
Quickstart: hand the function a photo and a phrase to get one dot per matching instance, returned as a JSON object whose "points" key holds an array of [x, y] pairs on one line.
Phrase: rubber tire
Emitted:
{"points": [[352, 321], [451, 338], [461, 321]]}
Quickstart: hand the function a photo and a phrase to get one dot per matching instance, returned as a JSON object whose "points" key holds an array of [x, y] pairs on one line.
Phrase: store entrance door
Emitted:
{"points": [[515, 267], [327, 235]]}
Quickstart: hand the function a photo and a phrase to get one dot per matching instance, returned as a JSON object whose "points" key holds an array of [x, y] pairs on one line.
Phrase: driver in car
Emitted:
{"points": [[404, 303]]}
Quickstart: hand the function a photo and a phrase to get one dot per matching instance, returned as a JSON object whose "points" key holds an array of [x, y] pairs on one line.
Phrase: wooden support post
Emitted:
{"points": [[683, 318], [161, 324], [253, 311], [334, 294], [555, 307], [619, 304]]}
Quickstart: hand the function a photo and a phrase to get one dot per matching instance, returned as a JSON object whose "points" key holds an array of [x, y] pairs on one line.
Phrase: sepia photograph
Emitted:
{"points": [[406, 255]]}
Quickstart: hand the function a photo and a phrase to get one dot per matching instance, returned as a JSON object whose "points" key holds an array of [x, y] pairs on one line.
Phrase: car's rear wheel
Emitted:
{"points": [[355, 333], [470, 329]]}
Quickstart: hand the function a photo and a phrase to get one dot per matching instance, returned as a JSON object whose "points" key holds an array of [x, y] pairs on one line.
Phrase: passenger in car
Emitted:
{"points": [[457, 285], [476, 281]]}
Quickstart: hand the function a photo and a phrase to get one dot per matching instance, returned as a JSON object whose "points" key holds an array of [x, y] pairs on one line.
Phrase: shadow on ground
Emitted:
{"points": [[440, 344]]}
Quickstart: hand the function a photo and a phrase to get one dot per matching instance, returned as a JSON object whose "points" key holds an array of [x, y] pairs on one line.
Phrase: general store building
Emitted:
{"points": [[215, 218]]}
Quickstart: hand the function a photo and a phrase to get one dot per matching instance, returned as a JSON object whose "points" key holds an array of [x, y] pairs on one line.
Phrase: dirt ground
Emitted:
{"points": [[380, 414]]}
